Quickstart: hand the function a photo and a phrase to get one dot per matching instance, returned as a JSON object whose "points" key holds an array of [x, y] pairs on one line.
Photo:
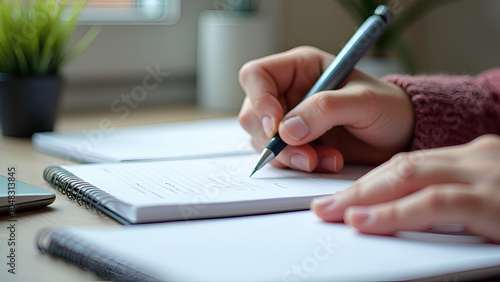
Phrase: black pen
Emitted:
{"points": [[366, 35]]}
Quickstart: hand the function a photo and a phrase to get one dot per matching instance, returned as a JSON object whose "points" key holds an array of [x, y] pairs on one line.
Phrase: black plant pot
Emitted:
{"points": [[28, 104]]}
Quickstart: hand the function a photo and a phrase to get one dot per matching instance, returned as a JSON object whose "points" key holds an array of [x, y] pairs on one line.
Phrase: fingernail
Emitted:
{"points": [[300, 161], [322, 203], [296, 128], [328, 164], [360, 216], [268, 125]]}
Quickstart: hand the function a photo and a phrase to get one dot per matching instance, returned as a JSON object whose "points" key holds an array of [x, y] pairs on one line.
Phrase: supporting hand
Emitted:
{"points": [[420, 189]]}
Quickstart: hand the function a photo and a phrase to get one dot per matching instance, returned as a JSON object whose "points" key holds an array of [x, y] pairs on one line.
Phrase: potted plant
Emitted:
{"points": [[406, 13], [35, 40]]}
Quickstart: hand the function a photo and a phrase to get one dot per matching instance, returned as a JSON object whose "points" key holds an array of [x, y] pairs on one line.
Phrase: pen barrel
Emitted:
{"points": [[362, 40], [276, 145]]}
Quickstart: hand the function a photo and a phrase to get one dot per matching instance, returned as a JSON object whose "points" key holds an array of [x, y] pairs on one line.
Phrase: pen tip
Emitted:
{"points": [[252, 173]]}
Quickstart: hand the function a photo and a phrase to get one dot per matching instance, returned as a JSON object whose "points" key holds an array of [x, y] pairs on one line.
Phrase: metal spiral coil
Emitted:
{"points": [[77, 189]]}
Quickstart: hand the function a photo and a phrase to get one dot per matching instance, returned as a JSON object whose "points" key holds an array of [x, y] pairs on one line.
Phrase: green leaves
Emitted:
{"points": [[35, 35]]}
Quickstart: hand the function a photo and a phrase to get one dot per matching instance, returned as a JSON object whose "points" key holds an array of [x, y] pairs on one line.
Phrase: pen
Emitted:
{"points": [[366, 35]]}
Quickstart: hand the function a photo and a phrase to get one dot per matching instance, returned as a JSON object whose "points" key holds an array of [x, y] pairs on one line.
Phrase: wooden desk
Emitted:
{"points": [[31, 265]]}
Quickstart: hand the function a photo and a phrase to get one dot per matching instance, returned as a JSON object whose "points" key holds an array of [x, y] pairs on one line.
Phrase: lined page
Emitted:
{"points": [[223, 179]]}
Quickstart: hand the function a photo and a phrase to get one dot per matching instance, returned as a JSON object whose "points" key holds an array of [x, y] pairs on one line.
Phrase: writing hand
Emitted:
{"points": [[366, 120]]}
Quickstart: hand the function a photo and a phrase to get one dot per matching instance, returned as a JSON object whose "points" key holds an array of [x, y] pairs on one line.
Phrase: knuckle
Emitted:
{"points": [[367, 94], [370, 99], [400, 159], [323, 104], [357, 193], [392, 214], [399, 156], [451, 199], [260, 102], [402, 170], [436, 198], [485, 154], [418, 157], [304, 49], [487, 142], [364, 92], [247, 69]]}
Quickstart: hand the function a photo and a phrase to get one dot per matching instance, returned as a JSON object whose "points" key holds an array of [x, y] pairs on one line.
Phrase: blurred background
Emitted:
{"points": [[202, 48]]}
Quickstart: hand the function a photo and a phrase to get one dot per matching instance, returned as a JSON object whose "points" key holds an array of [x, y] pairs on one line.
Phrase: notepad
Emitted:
{"points": [[293, 246], [141, 192], [181, 140]]}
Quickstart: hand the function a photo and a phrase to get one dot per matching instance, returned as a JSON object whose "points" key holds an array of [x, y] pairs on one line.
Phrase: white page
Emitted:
{"points": [[214, 137], [210, 181], [223, 179], [294, 246]]}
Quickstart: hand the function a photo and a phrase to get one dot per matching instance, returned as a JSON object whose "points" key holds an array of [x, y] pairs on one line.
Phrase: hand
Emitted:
{"points": [[365, 121], [420, 189]]}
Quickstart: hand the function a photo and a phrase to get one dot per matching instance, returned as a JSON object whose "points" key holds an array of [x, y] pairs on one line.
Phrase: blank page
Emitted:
{"points": [[294, 246], [214, 137]]}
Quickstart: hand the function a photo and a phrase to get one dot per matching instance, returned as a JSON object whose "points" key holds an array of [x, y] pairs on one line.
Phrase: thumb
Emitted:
{"points": [[353, 106]]}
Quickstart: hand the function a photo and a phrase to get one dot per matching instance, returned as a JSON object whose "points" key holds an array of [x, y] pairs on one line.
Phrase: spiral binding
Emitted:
{"points": [[77, 189]]}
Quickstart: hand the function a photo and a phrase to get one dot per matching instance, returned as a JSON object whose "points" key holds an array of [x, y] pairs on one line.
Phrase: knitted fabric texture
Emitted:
{"points": [[452, 110]]}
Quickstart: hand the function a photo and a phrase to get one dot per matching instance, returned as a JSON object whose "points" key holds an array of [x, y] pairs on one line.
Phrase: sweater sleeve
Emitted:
{"points": [[452, 110]]}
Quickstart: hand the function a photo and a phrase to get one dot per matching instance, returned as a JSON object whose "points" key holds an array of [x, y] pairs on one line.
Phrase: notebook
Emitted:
{"points": [[181, 140], [142, 192], [292, 246]]}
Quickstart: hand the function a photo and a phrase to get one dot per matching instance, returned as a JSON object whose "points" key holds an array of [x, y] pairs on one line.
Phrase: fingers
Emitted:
{"points": [[441, 204], [273, 84], [251, 123], [417, 190], [319, 113], [262, 91], [307, 158], [369, 109], [402, 175], [435, 205], [318, 158], [276, 83], [329, 159]]}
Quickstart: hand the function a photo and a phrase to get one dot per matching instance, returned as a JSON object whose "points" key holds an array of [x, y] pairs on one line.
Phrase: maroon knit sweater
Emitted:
{"points": [[452, 110]]}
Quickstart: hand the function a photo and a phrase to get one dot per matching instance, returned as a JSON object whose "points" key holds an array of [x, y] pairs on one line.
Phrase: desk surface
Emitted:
{"points": [[31, 265]]}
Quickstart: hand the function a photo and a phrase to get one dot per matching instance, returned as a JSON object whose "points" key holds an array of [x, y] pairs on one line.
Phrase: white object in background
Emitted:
{"points": [[182, 140], [380, 67], [226, 40]]}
